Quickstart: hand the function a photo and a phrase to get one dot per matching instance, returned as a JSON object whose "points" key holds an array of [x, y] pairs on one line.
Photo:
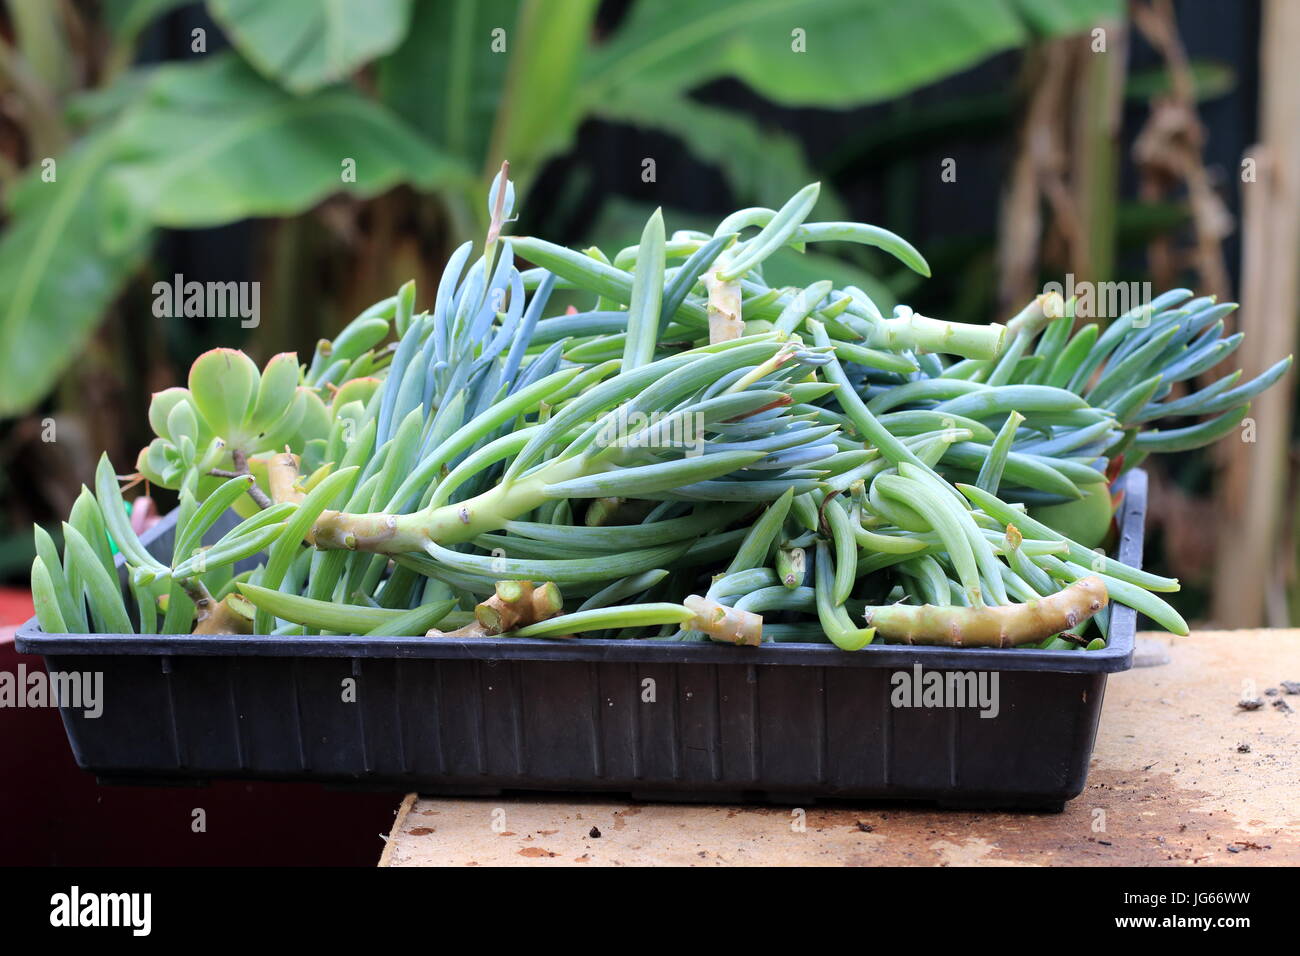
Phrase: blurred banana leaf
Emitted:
{"points": [[305, 46], [445, 80], [126, 18], [59, 269], [493, 79], [214, 143], [201, 144], [756, 161], [828, 53], [451, 88], [541, 106]]}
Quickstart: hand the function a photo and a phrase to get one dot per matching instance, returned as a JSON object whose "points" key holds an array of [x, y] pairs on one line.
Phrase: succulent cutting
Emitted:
{"points": [[659, 445]]}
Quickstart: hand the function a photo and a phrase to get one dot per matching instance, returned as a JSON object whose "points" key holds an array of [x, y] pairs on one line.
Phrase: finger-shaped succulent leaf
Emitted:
{"points": [[211, 456], [346, 427], [405, 307], [45, 598], [346, 618], [71, 607], [775, 233], [507, 201], [286, 548], [87, 518], [107, 609], [359, 337], [223, 383], [357, 390], [115, 516], [275, 392]]}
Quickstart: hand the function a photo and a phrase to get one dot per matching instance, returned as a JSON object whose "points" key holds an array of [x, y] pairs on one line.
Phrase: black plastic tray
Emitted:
{"points": [[789, 723]]}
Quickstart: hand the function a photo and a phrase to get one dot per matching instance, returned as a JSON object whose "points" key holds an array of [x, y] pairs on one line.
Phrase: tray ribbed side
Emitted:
{"points": [[434, 725], [789, 722]]}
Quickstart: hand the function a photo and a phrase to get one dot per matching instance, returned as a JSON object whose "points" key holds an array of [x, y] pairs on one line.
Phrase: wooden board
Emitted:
{"points": [[1181, 775]]}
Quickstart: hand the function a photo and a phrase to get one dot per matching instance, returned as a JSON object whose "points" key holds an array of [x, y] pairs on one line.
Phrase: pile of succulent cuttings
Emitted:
{"points": [[657, 445]]}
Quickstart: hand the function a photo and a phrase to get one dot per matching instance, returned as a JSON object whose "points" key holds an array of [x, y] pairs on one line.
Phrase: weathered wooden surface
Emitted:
{"points": [[1181, 775]]}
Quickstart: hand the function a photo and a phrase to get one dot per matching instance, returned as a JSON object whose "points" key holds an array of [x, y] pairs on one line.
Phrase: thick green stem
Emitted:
{"points": [[1031, 320], [921, 333], [449, 524]]}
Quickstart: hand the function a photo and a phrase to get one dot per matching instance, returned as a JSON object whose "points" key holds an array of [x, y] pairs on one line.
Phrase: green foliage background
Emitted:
{"points": [[416, 94]]}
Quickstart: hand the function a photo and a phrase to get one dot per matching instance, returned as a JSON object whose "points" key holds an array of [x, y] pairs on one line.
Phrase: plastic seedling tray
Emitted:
{"points": [[785, 723]]}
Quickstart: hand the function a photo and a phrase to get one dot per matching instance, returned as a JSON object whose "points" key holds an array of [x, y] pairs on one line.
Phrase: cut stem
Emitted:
{"points": [[725, 322], [1008, 625], [282, 477]]}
